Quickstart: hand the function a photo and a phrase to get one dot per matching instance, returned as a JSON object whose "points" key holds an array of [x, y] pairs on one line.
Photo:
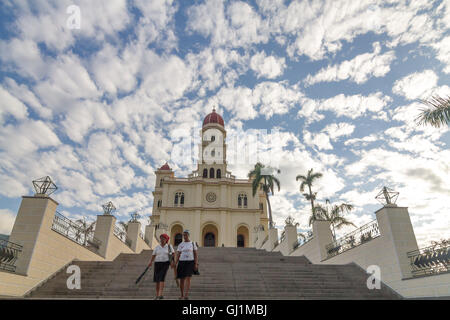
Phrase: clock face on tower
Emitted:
{"points": [[211, 197]]}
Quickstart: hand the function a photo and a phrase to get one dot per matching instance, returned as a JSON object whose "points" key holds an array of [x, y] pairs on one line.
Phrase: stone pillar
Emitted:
{"points": [[149, 234], [322, 236], [104, 231], [290, 232], [273, 237], [396, 228], [35, 213], [261, 237], [134, 227]]}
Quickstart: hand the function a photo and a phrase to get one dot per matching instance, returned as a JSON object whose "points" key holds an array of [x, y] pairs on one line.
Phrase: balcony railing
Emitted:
{"points": [[302, 241], [430, 260], [74, 231], [353, 239], [120, 234], [9, 252]]}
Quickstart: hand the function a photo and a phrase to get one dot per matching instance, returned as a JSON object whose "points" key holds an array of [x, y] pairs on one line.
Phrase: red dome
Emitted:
{"points": [[165, 167], [213, 117]]}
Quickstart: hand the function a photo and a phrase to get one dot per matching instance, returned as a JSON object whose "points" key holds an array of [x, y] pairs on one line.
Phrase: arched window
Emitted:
{"points": [[160, 182], [211, 173], [213, 138], [219, 174], [159, 203], [179, 199], [261, 206], [213, 153], [242, 200], [205, 173]]}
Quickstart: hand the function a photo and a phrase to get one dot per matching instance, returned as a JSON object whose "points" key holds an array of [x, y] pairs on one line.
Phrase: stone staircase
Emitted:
{"points": [[226, 273]]}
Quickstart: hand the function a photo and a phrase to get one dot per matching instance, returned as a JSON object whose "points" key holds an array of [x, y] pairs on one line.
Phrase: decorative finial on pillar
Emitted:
{"points": [[387, 197], [108, 208], [289, 221], [135, 216], [44, 186]]}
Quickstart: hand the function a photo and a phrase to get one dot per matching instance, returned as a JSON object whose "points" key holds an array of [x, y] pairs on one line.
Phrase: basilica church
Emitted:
{"points": [[217, 208]]}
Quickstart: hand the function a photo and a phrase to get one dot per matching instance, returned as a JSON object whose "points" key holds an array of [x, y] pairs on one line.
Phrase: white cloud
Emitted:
{"points": [[358, 70], [443, 50], [267, 66], [236, 25], [9, 105], [7, 219], [349, 106], [415, 85], [336, 130]]}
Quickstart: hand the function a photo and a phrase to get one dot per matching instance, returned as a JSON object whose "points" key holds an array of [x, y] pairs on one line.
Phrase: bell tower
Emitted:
{"points": [[213, 150]]}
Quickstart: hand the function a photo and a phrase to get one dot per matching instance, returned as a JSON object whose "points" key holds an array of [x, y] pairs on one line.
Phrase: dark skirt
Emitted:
{"points": [[160, 271], [185, 269]]}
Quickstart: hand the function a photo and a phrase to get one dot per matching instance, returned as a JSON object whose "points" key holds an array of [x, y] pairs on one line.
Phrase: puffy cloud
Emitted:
{"points": [[10, 105], [415, 85], [7, 219], [359, 69], [235, 25], [349, 106], [267, 66]]}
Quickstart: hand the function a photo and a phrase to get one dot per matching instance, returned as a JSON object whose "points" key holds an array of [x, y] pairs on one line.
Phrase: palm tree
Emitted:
{"points": [[438, 114], [333, 213], [308, 181], [266, 183]]}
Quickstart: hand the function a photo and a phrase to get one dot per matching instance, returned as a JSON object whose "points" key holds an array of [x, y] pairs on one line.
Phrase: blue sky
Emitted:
{"points": [[101, 107]]}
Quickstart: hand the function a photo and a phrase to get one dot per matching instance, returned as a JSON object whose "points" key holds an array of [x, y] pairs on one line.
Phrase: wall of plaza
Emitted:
{"points": [[44, 250], [387, 248]]}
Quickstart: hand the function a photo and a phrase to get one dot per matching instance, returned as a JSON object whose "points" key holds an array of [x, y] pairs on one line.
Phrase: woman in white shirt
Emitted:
{"points": [[187, 261], [163, 255]]}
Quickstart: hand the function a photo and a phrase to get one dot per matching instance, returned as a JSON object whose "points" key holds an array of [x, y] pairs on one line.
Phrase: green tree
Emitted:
{"points": [[333, 213], [308, 180], [438, 113], [264, 182]]}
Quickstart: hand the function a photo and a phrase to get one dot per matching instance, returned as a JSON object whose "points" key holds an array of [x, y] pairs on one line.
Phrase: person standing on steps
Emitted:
{"points": [[163, 256], [186, 261]]}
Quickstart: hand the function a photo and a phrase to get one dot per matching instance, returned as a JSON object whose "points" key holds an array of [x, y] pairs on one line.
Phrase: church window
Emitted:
{"points": [[205, 173], [160, 182], [159, 203], [213, 138], [261, 206], [179, 199], [242, 200], [211, 173], [219, 174], [213, 153]]}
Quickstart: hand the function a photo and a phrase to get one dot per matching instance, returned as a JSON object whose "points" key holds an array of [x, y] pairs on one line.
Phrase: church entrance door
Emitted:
{"points": [[210, 240]]}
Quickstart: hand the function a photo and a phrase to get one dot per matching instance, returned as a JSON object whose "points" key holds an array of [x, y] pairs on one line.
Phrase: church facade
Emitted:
{"points": [[217, 208]]}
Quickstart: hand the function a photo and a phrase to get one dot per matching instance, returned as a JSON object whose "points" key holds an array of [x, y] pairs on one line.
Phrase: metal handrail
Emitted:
{"points": [[300, 242], [353, 239], [71, 230], [120, 234], [430, 260], [9, 252]]}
